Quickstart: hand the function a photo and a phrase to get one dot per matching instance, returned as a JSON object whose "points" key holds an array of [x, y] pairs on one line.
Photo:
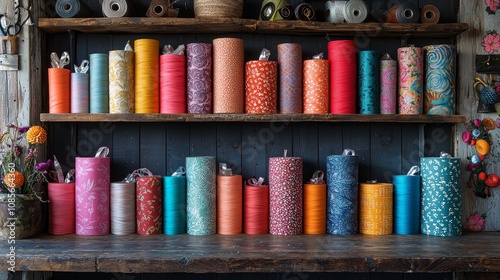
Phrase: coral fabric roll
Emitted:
{"points": [[316, 86], [59, 91], [261, 83], [229, 75]]}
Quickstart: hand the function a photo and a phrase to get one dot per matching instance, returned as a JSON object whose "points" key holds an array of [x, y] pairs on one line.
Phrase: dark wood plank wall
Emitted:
{"points": [[383, 149]]}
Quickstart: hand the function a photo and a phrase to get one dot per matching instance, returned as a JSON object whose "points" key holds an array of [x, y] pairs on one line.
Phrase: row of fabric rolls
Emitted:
{"points": [[214, 78], [204, 203]]}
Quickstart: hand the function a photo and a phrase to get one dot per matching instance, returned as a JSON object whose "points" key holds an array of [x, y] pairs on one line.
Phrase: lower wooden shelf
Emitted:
{"points": [[472, 252]]}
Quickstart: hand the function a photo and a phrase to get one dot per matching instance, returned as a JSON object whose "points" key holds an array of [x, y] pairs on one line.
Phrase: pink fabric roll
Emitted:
{"points": [[388, 85], [92, 195]]}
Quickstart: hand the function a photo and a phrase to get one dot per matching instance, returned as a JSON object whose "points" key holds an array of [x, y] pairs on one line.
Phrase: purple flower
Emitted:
{"points": [[18, 150], [497, 123], [477, 122], [32, 153], [472, 166], [43, 166], [23, 129]]}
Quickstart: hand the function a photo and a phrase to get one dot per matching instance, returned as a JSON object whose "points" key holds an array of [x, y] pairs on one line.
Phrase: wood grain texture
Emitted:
{"points": [[259, 253]]}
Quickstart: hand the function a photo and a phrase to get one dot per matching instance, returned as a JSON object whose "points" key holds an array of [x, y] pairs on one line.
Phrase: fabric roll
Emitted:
{"points": [[92, 195], [343, 76], [201, 195], [334, 11], [147, 67], [375, 208], [199, 78], [116, 8], [229, 204], [228, 76], [157, 8], [430, 14], [316, 99], [261, 87], [369, 82], [314, 208], [61, 208], [405, 12], [256, 209], [388, 85], [285, 195], [355, 11], [121, 82], [72, 9], [441, 196], [411, 72], [342, 197], [174, 205], [440, 79], [406, 204], [172, 84], [149, 204], [123, 210], [79, 93], [99, 83], [290, 78], [59, 90]]}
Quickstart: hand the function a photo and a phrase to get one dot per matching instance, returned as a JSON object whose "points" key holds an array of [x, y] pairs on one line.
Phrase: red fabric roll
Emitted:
{"points": [[343, 76], [149, 211], [261, 83]]}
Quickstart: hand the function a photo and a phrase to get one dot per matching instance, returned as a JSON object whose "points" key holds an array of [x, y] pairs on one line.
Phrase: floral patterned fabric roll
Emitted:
{"points": [[149, 211], [199, 78], [121, 82], [261, 84], [411, 80]]}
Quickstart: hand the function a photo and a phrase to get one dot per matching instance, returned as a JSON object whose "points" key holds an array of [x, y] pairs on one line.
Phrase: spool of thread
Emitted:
{"points": [[369, 82], [122, 199], [334, 11], [201, 195], [59, 90], [256, 209], [229, 204], [261, 87], [441, 196], [72, 9], [342, 188], [411, 72], [99, 83], [61, 208], [316, 93], [375, 208], [79, 93], [430, 14], [149, 205], [388, 85], [286, 195], [343, 75], [355, 11], [405, 12], [121, 82], [157, 8], [229, 75], [440, 79], [290, 78], [116, 8], [199, 78], [172, 84], [92, 195], [314, 208], [147, 94], [174, 205], [406, 204]]}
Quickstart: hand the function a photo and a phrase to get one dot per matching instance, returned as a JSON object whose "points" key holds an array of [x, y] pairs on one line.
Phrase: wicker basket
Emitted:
{"points": [[218, 8]]}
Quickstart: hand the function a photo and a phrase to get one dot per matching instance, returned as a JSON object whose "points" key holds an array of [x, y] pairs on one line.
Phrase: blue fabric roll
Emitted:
{"points": [[441, 196], [369, 82], [342, 201], [406, 204]]}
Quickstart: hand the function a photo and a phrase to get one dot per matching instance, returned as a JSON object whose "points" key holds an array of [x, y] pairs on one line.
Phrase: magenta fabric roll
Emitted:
{"points": [[285, 195], [199, 78], [388, 85], [92, 195], [290, 75]]}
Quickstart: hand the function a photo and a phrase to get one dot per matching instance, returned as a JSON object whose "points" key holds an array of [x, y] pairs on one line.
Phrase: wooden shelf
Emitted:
{"points": [[236, 25], [472, 252], [251, 118]]}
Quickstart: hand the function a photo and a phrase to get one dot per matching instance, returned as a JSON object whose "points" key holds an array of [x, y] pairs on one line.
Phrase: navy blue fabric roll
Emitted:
{"points": [[342, 200]]}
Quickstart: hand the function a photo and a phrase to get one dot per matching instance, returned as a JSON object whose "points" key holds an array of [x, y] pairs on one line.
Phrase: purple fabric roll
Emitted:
{"points": [[199, 78], [290, 67]]}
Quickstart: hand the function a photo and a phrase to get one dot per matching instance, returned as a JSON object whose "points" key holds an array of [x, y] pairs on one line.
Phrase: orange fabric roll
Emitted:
{"points": [[229, 204], [316, 86], [228, 75], [261, 87], [147, 69], [59, 91], [314, 208], [375, 208]]}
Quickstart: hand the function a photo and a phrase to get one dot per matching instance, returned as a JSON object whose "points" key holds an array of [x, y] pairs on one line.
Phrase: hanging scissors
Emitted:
{"points": [[7, 27]]}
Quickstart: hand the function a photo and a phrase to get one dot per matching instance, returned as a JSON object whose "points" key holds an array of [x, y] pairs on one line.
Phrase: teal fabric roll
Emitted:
{"points": [[441, 196], [99, 83], [174, 205], [201, 195]]}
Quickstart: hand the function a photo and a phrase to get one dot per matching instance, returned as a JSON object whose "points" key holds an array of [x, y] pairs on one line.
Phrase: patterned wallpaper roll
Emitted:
{"points": [[199, 78], [316, 91], [121, 82], [411, 78], [388, 85], [261, 87], [290, 78], [375, 208], [149, 203]]}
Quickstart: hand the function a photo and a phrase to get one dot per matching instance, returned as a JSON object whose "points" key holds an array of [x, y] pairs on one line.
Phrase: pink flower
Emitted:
{"points": [[477, 122], [466, 136], [476, 222], [497, 122], [493, 4], [491, 42], [472, 166]]}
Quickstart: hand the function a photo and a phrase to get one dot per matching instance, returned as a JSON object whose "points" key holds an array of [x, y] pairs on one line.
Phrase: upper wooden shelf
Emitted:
{"points": [[236, 25], [251, 118], [472, 252]]}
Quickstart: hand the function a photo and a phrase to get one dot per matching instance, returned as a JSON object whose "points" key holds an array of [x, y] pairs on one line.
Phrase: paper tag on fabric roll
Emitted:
{"points": [[128, 47], [255, 182], [413, 171], [348, 152], [179, 172], [224, 170], [317, 178], [445, 155], [318, 56], [264, 55], [102, 152], [70, 176], [141, 172]]}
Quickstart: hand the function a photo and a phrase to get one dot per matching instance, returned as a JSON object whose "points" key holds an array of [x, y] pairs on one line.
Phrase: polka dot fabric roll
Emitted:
{"points": [[285, 195], [261, 83], [316, 86], [229, 76]]}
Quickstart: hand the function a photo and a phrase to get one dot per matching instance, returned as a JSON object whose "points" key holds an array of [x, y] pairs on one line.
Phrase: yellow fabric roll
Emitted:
{"points": [[375, 208], [147, 69], [121, 82]]}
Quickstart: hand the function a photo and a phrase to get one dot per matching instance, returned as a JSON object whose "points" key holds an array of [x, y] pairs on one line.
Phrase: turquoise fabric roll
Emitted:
{"points": [[174, 205], [441, 196], [201, 195]]}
